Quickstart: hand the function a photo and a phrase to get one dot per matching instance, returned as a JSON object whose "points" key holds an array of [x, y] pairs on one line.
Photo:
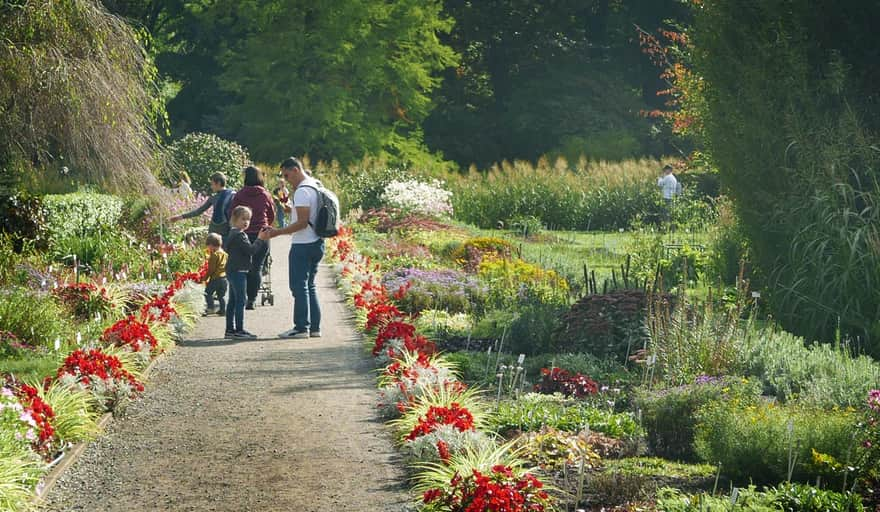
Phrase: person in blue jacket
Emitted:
{"points": [[220, 200]]}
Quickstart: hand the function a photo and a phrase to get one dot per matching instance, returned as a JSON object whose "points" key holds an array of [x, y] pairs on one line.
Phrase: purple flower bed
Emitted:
{"points": [[452, 290]]}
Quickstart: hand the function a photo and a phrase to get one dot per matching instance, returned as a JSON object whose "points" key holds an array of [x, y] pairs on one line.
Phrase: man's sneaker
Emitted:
{"points": [[209, 311], [221, 312], [229, 335], [294, 334], [315, 334], [249, 306], [244, 335]]}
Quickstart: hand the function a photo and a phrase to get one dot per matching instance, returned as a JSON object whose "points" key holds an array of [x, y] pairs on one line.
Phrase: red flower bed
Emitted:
{"points": [[499, 491], [409, 340], [130, 332], [94, 364], [459, 417], [557, 380], [40, 411], [160, 307]]}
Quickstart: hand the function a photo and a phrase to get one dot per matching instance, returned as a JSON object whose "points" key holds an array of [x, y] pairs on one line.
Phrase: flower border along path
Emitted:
{"points": [[61, 415], [440, 423], [267, 424]]}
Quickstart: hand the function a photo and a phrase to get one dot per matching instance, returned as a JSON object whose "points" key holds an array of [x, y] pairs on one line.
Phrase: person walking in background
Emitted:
{"points": [[183, 185], [219, 201], [238, 264], [281, 196], [215, 280], [255, 196], [306, 251], [670, 188]]}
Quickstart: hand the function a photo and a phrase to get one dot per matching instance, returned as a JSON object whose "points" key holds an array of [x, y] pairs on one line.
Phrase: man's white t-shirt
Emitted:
{"points": [[306, 196], [669, 185]]}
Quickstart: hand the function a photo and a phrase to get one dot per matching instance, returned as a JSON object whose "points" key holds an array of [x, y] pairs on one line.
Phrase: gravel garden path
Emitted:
{"points": [[229, 425]]}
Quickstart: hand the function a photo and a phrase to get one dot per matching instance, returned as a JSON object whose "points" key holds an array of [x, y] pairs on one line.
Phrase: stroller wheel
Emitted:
{"points": [[271, 300]]}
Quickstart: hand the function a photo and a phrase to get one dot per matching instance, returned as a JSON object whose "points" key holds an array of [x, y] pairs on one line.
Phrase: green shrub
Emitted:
{"points": [[535, 328], [39, 323], [788, 498], [81, 214], [669, 415], [533, 411], [203, 154], [363, 187], [795, 497], [761, 443], [515, 281], [820, 375]]}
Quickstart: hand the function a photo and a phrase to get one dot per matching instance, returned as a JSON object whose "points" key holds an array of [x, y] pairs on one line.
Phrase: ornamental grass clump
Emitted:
{"points": [[452, 290], [491, 480], [418, 197], [411, 375]]}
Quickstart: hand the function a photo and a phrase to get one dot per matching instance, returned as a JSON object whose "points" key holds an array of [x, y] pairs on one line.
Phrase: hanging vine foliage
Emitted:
{"points": [[76, 92]]}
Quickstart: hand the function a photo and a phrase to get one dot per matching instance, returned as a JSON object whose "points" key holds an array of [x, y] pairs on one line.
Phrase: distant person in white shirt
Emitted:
{"points": [[670, 188]]}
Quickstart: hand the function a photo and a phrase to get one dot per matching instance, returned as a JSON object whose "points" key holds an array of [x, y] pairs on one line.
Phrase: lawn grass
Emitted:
{"points": [[31, 368]]}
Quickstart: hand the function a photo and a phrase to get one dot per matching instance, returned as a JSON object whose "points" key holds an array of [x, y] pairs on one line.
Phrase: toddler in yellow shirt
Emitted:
{"points": [[215, 281]]}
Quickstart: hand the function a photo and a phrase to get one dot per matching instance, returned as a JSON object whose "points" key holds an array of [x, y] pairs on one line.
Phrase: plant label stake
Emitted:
{"points": [[78, 338], [57, 344]]}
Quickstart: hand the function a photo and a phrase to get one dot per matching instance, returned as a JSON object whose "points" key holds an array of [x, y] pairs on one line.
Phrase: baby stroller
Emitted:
{"points": [[266, 295]]}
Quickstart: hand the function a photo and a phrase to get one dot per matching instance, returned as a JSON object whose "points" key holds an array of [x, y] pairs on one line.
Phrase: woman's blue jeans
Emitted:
{"points": [[303, 260]]}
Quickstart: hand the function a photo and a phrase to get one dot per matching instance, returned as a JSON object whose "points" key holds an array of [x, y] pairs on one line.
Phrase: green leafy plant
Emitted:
{"points": [[533, 412], [203, 154], [669, 415], [39, 324], [768, 443]]}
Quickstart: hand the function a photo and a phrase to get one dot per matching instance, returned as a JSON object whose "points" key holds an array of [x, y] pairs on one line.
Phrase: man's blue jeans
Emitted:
{"points": [[303, 260]]}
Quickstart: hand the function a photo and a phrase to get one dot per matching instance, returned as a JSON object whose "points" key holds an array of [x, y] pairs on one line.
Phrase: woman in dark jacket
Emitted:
{"points": [[255, 196]]}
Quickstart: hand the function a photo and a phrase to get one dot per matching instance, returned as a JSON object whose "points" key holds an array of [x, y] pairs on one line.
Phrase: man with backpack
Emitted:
{"points": [[309, 224]]}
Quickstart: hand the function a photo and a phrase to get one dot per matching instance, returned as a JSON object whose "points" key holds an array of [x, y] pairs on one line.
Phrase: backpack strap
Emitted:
{"points": [[317, 194]]}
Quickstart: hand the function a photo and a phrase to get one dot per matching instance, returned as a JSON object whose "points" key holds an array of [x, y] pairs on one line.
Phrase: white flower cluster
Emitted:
{"points": [[424, 448], [411, 387], [413, 196]]}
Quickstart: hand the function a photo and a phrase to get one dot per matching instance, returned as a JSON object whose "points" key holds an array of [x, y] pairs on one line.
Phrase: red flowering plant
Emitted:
{"points": [[441, 422], [34, 415], [498, 490], [160, 308], [442, 432], [84, 300], [409, 376], [133, 335], [557, 380], [100, 374], [396, 337]]}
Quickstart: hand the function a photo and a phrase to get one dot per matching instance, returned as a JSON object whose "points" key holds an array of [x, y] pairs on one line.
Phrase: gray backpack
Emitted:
{"points": [[327, 222]]}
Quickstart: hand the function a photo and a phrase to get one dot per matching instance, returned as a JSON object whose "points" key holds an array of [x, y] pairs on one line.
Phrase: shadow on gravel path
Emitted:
{"points": [[263, 425]]}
